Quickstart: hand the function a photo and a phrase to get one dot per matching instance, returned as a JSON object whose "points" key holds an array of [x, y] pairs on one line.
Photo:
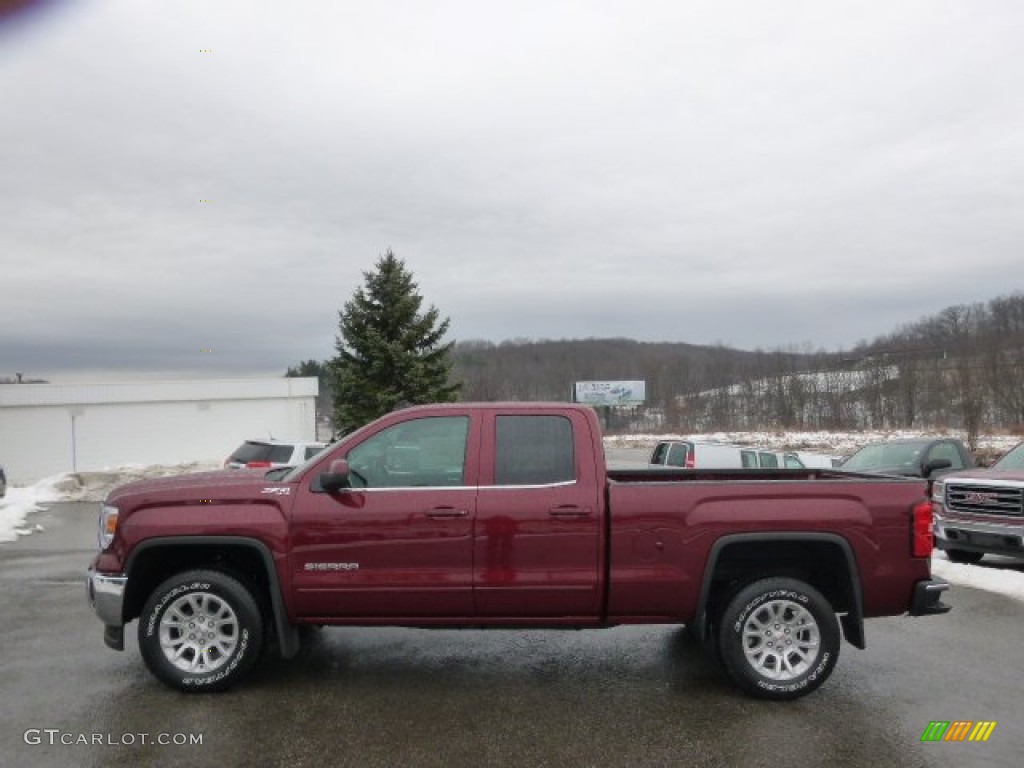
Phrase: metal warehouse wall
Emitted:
{"points": [[46, 429]]}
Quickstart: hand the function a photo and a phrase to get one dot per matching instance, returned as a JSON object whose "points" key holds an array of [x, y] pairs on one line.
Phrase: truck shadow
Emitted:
{"points": [[630, 696], [470, 658]]}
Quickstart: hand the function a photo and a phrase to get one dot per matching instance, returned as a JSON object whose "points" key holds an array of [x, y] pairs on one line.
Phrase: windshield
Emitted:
{"points": [[1013, 460], [885, 456]]}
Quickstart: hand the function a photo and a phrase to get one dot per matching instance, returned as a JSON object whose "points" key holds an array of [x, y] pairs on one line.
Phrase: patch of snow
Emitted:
{"points": [[1005, 581], [20, 502]]}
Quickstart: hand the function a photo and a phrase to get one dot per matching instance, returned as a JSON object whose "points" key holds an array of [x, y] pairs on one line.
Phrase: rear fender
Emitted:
{"points": [[852, 620]]}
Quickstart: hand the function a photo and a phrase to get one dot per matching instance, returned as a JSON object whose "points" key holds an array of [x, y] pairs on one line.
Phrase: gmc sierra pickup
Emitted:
{"points": [[982, 510], [505, 515]]}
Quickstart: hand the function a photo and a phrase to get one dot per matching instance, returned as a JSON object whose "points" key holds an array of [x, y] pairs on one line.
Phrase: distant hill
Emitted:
{"points": [[962, 367], [546, 370]]}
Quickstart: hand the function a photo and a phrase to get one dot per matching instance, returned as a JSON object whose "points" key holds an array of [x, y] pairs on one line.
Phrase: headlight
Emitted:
{"points": [[107, 525], [939, 492]]}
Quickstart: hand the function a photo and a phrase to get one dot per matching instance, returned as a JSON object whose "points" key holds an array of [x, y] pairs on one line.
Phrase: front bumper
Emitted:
{"points": [[979, 536], [106, 596], [927, 597]]}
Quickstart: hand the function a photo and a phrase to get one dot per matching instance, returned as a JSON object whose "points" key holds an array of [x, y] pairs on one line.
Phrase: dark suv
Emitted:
{"points": [[916, 457]]}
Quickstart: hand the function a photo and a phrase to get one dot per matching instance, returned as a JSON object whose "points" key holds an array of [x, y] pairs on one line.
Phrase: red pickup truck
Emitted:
{"points": [[505, 515]]}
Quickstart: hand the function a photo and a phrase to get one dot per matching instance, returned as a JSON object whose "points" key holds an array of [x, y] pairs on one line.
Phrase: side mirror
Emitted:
{"points": [[335, 478], [935, 465]]}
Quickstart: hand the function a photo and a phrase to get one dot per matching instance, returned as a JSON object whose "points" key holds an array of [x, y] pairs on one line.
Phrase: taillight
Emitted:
{"points": [[923, 536], [257, 464], [691, 459]]}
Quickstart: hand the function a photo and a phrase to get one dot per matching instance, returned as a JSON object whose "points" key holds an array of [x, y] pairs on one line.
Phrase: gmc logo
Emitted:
{"points": [[976, 497]]}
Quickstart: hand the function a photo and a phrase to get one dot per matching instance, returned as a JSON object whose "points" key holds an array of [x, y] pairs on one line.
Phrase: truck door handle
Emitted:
{"points": [[569, 510], [445, 512]]}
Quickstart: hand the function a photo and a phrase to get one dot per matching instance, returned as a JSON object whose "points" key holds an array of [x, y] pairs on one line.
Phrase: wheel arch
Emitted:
{"points": [[247, 559], [824, 560]]}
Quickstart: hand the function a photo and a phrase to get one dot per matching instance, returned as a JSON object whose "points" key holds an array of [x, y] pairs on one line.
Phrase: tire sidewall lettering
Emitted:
{"points": [[744, 605], [756, 603], [799, 684], [237, 595], [222, 673], [168, 596]]}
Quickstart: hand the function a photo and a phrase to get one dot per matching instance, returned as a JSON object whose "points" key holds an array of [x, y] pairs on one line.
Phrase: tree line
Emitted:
{"points": [[960, 368]]}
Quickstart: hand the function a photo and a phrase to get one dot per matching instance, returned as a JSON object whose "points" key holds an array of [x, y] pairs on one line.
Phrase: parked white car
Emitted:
{"points": [[691, 454], [269, 454]]}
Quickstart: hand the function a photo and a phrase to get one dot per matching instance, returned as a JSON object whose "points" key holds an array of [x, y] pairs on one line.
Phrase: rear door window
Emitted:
{"points": [[533, 450], [768, 460]]}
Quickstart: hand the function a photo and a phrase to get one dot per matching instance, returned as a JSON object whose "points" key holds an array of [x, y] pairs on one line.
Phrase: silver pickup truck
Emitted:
{"points": [[981, 511]]}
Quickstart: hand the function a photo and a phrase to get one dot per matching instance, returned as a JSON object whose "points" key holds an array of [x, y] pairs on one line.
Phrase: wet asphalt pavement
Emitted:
{"points": [[630, 696]]}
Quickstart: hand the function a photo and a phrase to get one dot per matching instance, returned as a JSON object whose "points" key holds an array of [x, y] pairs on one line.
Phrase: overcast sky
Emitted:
{"points": [[759, 174]]}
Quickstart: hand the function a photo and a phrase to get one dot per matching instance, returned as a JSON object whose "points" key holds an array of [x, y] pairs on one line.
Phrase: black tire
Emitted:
{"points": [[779, 639], [963, 556], [200, 631]]}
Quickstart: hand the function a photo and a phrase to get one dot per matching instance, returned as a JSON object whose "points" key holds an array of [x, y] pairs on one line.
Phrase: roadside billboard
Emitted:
{"points": [[610, 392]]}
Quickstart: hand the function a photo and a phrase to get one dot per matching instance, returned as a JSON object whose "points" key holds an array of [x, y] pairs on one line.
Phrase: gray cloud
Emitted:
{"points": [[749, 173]]}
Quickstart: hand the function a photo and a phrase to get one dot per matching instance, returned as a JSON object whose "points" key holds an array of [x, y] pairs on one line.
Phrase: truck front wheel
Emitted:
{"points": [[779, 638], [200, 631]]}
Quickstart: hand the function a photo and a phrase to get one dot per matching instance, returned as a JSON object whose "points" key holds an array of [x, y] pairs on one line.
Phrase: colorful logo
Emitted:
{"points": [[958, 730]]}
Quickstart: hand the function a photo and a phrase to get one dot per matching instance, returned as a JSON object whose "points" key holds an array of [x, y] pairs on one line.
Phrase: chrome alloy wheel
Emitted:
{"points": [[199, 632], [781, 640]]}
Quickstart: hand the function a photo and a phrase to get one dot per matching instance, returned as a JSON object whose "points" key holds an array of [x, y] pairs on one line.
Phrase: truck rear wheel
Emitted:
{"points": [[200, 631], [779, 638]]}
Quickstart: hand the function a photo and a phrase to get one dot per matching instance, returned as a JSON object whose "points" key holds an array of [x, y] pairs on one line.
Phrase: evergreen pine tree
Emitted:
{"points": [[389, 353]]}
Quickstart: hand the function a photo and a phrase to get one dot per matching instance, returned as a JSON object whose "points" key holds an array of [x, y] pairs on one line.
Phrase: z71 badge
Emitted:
{"points": [[280, 490]]}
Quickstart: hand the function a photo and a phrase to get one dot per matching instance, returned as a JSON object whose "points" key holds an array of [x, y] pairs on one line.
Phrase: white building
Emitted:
{"points": [[46, 429]]}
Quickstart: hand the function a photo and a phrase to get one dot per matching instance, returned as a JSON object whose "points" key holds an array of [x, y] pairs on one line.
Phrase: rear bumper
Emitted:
{"points": [[927, 597], [106, 596]]}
